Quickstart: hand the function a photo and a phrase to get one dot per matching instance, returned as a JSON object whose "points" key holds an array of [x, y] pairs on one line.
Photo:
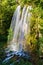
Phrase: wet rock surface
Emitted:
{"points": [[17, 55], [12, 57]]}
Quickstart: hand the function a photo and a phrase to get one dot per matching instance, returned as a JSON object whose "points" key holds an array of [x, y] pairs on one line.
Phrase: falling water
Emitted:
{"points": [[19, 26]]}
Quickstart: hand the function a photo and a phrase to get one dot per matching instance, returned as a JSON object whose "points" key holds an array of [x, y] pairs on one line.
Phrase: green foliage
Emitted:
{"points": [[36, 29], [10, 34], [7, 8]]}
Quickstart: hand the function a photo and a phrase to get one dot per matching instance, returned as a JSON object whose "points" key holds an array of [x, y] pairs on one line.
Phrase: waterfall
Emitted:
{"points": [[19, 26]]}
